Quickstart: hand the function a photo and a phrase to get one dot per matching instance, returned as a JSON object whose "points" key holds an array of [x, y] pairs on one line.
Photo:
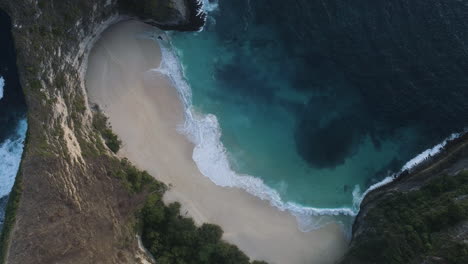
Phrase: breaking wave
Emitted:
{"points": [[10, 156]]}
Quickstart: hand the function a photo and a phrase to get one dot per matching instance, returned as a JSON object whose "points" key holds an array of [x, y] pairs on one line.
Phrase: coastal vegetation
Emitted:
{"points": [[101, 124], [417, 226], [173, 238]]}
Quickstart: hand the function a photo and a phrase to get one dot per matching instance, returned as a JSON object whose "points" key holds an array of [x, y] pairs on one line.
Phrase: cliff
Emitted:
{"points": [[421, 217], [67, 206]]}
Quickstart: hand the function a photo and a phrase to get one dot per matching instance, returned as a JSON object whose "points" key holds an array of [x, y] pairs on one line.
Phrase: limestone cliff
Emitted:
{"points": [[69, 208]]}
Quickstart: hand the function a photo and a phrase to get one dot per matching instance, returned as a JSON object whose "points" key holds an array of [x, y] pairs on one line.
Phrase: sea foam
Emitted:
{"points": [[2, 84], [211, 157], [208, 6], [10, 157], [429, 152]]}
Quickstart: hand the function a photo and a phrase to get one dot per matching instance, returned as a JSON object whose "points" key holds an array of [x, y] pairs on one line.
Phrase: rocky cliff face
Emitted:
{"points": [[422, 217], [69, 208]]}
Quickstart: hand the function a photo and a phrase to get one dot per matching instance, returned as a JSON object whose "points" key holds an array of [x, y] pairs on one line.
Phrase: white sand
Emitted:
{"points": [[144, 111]]}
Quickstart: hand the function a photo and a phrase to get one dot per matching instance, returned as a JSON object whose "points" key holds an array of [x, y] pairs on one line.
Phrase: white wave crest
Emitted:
{"points": [[2, 84], [429, 152], [10, 157], [209, 6]]}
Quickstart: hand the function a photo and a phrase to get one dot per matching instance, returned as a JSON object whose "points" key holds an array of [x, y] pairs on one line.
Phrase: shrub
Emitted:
{"points": [[172, 238], [100, 123], [407, 227]]}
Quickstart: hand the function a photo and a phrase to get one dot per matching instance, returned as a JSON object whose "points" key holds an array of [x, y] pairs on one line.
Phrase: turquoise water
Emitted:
{"points": [[259, 135], [272, 110]]}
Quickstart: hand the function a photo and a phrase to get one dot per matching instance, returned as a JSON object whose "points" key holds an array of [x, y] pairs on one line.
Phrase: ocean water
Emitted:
{"points": [[2, 84], [310, 103], [13, 123]]}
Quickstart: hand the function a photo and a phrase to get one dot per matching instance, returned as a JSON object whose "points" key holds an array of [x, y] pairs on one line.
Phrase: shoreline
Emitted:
{"points": [[144, 111]]}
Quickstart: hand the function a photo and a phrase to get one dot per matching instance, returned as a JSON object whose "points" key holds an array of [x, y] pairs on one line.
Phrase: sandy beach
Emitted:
{"points": [[145, 110]]}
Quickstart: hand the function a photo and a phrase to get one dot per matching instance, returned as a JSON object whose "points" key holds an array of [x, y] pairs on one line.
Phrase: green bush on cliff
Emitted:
{"points": [[172, 238], [416, 226], [136, 180], [101, 124]]}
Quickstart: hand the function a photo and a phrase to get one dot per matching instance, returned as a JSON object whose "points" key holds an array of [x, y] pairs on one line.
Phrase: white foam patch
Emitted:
{"points": [[10, 157], [207, 7], [211, 157], [2, 84]]}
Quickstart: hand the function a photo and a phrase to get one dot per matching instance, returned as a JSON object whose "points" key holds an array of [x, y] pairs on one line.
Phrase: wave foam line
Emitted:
{"points": [[2, 84], [429, 152], [211, 157], [10, 157]]}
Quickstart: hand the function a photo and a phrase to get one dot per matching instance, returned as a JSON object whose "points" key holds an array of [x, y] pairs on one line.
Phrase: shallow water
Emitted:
{"points": [[13, 124]]}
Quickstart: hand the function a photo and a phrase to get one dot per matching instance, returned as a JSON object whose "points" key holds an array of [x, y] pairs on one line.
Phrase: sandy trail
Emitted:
{"points": [[144, 110]]}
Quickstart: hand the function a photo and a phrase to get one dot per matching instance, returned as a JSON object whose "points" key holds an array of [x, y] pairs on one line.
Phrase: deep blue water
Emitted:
{"points": [[12, 113], [321, 99]]}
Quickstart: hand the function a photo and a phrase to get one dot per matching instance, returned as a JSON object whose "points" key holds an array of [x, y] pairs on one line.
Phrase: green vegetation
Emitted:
{"points": [[136, 180], [172, 238], [101, 124], [416, 226]]}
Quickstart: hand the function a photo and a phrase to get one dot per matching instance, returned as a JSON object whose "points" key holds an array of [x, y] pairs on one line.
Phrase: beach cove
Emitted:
{"points": [[145, 111]]}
